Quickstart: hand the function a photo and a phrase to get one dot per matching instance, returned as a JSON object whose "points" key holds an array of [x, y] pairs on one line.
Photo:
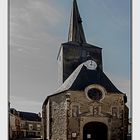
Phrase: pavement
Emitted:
{"points": [[29, 139], [128, 138]]}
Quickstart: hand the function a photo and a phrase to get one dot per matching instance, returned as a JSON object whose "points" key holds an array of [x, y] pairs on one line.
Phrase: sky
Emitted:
{"points": [[37, 29]]}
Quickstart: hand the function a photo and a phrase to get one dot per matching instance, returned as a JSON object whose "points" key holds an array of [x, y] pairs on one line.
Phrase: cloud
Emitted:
{"points": [[19, 102], [32, 27], [35, 13], [46, 10], [34, 18]]}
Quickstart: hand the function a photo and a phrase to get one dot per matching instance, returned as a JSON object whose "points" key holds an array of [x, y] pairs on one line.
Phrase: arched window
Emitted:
{"points": [[75, 111], [115, 112]]}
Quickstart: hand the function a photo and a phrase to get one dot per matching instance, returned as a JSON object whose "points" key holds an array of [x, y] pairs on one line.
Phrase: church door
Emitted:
{"points": [[95, 131]]}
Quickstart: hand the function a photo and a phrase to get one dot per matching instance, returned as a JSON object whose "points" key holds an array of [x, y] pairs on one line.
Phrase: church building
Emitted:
{"points": [[87, 105]]}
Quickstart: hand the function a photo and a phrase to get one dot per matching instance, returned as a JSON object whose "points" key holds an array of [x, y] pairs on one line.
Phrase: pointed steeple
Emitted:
{"points": [[76, 32]]}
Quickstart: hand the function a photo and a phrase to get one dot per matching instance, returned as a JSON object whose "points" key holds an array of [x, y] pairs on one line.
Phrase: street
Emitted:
{"points": [[29, 139], [129, 138]]}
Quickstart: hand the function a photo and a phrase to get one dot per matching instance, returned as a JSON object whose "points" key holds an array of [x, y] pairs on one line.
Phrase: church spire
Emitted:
{"points": [[76, 32]]}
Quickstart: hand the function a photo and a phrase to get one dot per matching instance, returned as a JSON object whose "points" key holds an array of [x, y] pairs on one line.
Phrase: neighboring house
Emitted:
{"points": [[24, 124], [14, 124], [12, 128], [30, 124]]}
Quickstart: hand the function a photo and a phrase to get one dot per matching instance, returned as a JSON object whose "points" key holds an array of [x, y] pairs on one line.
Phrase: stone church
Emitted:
{"points": [[87, 106]]}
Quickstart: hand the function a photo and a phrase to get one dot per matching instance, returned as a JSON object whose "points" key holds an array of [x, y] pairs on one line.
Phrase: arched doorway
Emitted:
{"points": [[95, 131]]}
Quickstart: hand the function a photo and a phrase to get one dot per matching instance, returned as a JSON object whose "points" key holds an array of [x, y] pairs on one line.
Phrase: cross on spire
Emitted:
{"points": [[76, 32]]}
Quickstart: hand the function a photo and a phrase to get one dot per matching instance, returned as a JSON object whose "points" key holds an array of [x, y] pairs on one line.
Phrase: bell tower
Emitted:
{"points": [[76, 50]]}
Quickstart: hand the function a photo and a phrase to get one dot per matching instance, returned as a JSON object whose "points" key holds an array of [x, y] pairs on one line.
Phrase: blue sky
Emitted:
{"points": [[37, 29]]}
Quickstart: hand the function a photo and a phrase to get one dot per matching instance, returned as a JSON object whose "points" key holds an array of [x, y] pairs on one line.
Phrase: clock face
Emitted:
{"points": [[95, 94], [90, 64]]}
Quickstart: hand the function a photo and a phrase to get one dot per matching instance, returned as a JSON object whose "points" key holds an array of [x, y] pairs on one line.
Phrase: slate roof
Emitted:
{"points": [[77, 44], [83, 77], [76, 32], [13, 111], [29, 116]]}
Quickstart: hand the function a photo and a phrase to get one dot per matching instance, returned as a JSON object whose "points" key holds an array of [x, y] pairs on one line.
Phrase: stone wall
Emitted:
{"points": [[69, 112], [109, 111], [58, 118]]}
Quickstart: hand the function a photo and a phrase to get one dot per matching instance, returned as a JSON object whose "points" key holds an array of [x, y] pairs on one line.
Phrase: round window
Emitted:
{"points": [[95, 94]]}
